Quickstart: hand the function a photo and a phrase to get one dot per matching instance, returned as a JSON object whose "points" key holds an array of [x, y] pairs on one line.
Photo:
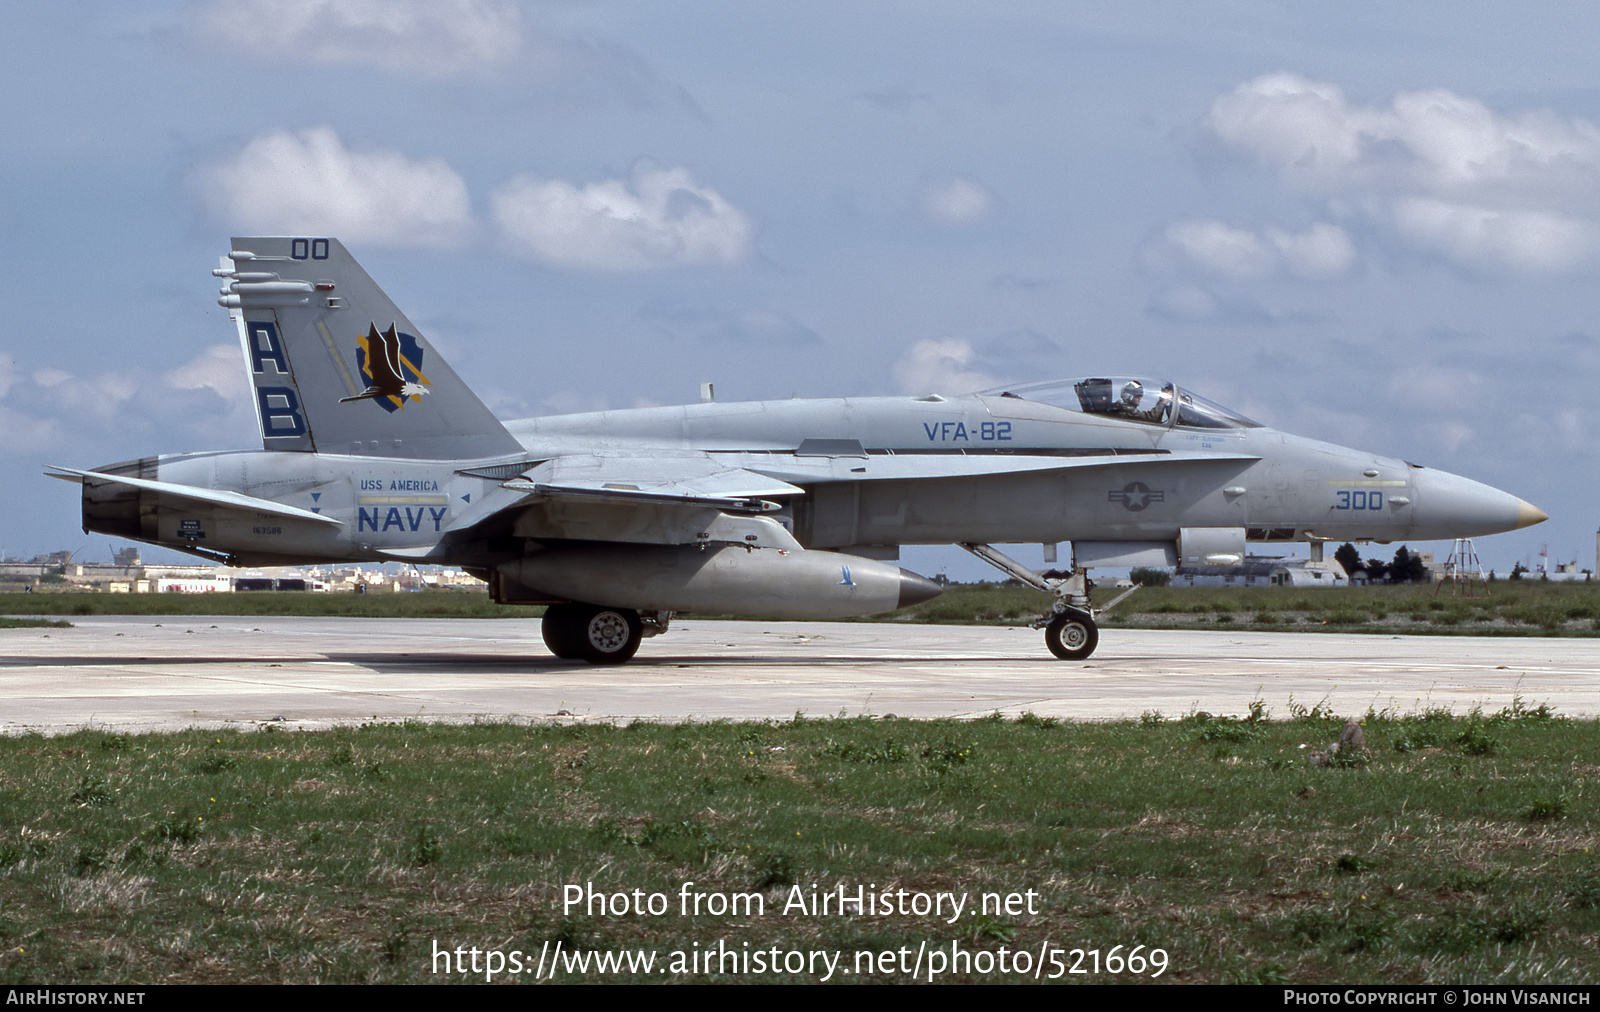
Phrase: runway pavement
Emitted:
{"points": [[147, 674]]}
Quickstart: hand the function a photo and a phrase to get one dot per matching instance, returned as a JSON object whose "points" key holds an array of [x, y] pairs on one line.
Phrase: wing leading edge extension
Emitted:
{"points": [[891, 466]]}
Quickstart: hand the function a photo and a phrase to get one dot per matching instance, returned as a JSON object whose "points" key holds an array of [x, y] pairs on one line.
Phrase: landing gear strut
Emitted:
{"points": [[1070, 630]]}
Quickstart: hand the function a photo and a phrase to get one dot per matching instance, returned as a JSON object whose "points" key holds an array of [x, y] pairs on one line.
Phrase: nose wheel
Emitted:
{"points": [[1072, 635]]}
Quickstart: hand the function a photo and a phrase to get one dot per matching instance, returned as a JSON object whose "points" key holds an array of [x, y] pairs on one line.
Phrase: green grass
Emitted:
{"points": [[422, 604], [1516, 608], [33, 623], [1462, 849]]}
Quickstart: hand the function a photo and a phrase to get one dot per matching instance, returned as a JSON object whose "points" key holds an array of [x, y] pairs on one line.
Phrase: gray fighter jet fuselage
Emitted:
{"points": [[374, 450]]}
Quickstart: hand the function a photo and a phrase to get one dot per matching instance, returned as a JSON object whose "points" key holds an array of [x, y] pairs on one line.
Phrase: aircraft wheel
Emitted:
{"points": [[609, 635], [1072, 636], [562, 628]]}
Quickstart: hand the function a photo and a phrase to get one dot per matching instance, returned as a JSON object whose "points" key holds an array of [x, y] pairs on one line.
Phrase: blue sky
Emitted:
{"points": [[1370, 225]]}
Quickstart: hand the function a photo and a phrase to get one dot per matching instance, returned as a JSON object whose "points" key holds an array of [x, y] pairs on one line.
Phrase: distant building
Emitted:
{"points": [[127, 573], [1566, 572], [1263, 571], [297, 583], [191, 585]]}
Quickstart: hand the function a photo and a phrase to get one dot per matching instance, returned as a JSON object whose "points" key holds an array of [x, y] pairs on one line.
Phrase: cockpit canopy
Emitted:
{"points": [[1131, 399]]}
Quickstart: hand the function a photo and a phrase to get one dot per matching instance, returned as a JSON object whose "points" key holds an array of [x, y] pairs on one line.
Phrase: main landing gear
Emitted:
{"points": [[575, 631], [1070, 630]]}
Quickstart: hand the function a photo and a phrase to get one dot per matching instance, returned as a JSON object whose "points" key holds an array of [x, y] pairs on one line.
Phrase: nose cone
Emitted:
{"points": [[916, 589], [1450, 506]]}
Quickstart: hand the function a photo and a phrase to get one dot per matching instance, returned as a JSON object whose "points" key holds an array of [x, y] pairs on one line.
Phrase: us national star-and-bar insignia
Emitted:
{"points": [[1136, 495], [391, 366]]}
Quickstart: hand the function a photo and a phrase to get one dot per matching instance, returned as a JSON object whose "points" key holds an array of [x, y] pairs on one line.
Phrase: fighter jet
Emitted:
{"points": [[373, 450]]}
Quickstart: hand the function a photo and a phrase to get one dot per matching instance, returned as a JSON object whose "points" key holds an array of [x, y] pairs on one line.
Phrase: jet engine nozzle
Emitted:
{"points": [[120, 510]]}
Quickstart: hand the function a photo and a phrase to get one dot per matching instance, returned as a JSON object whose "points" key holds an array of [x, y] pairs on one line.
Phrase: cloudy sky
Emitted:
{"points": [[1374, 224]]}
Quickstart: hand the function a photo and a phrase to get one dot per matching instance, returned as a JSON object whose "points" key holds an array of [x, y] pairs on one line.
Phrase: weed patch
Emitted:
{"points": [[335, 856]]}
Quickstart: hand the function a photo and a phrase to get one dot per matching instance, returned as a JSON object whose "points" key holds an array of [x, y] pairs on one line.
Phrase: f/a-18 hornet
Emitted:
{"points": [[374, 450]]}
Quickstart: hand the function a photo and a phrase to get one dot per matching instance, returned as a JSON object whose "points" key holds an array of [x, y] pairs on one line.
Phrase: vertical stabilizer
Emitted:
{"points": [[337, 368]]}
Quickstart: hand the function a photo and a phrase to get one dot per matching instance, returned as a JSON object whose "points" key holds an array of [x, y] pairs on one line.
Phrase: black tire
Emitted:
{"points": [[609, 635], [561, 629], [1072, 636]]}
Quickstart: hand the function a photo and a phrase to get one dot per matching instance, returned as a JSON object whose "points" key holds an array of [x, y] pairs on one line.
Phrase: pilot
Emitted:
{"points": [[1132, 398], [1132, 394]]}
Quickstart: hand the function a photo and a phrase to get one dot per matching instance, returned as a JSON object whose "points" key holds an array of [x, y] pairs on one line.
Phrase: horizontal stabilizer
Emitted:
{"points": [[204, 496]]}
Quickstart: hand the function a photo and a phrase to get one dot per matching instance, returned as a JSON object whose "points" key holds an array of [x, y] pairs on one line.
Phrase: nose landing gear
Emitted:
{"points": [[1070, 630]]}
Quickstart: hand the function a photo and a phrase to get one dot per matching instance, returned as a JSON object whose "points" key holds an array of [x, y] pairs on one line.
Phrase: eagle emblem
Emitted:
{"points": [[391, 366]]}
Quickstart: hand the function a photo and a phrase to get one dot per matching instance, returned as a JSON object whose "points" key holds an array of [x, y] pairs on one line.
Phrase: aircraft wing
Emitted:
{"points": [[689, 480], [670, 500], [214, 498]]}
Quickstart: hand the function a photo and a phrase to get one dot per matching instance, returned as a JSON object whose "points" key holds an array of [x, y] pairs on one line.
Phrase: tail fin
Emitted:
{"points": [[337, 368]]}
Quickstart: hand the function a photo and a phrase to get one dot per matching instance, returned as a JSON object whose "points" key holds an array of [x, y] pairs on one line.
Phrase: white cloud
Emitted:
{"points": [[957, 202], [310, 183], [1321, 252], [1303, 129], [940, 366], [1431, 140], [432, 37], [1217, 249], [1529, 242], [659, 218], [1448, 174], [203, 402], [216, 369]]}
